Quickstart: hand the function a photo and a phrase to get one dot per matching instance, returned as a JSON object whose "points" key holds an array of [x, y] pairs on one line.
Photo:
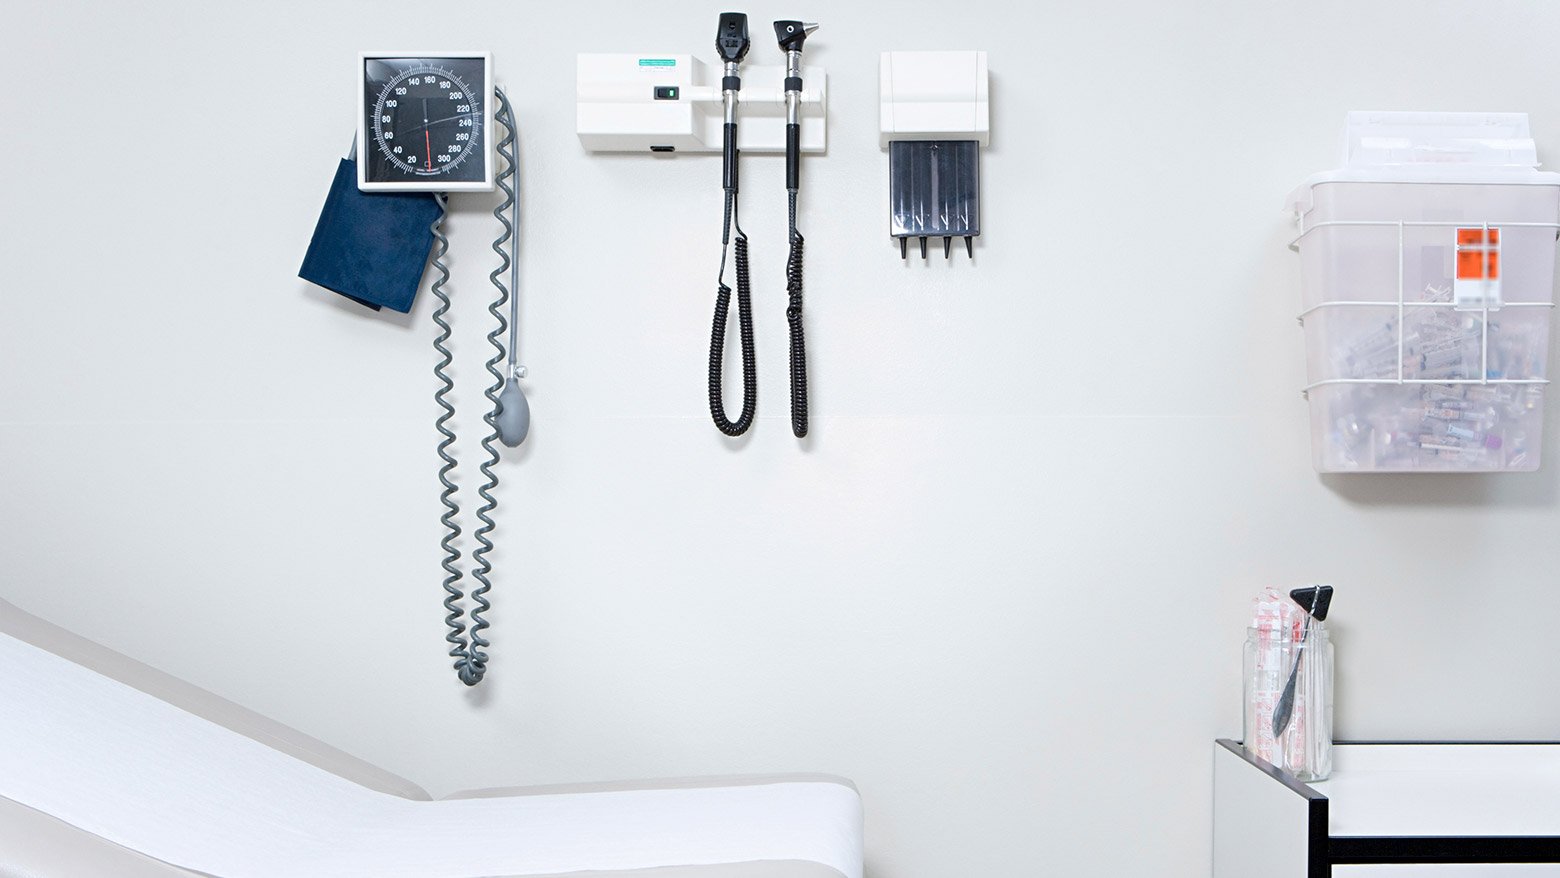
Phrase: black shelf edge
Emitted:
{"points": [[1325, 851], [1298, 786], [1372, 850]]}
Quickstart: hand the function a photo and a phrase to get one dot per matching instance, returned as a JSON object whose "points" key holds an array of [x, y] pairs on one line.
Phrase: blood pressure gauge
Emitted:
{"points": [[425, 122]]}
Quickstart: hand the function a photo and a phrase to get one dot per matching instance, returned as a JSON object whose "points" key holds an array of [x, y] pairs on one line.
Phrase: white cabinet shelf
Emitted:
{"points": [[1393, 811]]}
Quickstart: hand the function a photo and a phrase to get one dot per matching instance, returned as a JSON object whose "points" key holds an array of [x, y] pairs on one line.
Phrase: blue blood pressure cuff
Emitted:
{"points": [[371, 246]]}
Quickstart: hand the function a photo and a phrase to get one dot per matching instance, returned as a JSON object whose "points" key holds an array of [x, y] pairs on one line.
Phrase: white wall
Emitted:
{"points": [[1002, 585]]}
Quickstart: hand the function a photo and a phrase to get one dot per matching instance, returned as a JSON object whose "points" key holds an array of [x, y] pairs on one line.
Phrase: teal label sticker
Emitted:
{"points": [[657, 62]]}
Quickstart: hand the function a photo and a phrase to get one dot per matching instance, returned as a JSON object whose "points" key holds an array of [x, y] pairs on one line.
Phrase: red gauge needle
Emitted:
{"points": [[428, 145]]}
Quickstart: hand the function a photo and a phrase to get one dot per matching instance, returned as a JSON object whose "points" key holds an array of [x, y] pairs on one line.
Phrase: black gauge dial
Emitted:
{"points": [[425, 121]]}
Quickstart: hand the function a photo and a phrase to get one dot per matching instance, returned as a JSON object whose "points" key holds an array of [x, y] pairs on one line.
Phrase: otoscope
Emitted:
{"points": [[731, 42], [792, 34]]}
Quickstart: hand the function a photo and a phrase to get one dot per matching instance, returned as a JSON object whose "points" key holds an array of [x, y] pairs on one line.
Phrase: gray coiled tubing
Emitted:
{"points": [[467, 644]]}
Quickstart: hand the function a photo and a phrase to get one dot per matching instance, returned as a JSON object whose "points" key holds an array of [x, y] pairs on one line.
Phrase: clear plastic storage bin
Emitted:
{"points": [[1427, 272]]}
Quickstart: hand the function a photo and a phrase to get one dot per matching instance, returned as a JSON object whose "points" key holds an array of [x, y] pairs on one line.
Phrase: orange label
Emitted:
{"points": [[1478, 254], [1476, 237], [1471, 265]]}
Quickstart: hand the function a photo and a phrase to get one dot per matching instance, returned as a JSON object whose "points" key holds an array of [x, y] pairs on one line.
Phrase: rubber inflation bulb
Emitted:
{"points": [[514, 414]]}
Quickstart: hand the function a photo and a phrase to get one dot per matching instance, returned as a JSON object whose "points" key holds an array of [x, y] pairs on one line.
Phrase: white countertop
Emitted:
{"points": [[1443, 789]]}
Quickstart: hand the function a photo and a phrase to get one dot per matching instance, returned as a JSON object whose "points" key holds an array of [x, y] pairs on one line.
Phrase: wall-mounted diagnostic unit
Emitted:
{"points": [[425, 128], [675, 103], [934, 117], [672, 103]]}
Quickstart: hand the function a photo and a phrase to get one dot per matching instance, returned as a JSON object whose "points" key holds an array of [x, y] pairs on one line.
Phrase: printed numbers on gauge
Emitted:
{"points": [[424, 121]]}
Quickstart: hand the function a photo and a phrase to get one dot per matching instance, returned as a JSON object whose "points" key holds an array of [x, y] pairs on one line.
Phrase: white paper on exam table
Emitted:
{"points": [[87, 749]]}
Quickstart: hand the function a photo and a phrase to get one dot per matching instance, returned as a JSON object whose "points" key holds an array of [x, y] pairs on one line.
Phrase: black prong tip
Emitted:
{"points": [[904, 248], [923, 247], [969, 244], [947, 248]]}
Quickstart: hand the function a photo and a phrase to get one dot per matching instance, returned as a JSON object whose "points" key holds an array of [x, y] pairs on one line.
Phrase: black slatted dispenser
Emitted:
{"points": [[934, 192]]}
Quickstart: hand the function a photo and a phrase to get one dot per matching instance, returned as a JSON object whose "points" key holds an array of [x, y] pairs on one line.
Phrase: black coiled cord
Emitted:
{"points": [[744, 329], [793, 319]]}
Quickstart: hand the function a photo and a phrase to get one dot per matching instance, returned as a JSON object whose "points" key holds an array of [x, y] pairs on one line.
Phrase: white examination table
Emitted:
{"points": [[111, 768]]}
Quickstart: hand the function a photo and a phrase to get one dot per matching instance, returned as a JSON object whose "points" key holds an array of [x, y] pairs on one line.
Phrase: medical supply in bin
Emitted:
{"points": [[1288, 672], [1427, 275]]}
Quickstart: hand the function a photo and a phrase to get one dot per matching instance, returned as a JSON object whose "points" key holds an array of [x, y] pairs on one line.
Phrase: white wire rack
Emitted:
{"points": [[1403, 304]]}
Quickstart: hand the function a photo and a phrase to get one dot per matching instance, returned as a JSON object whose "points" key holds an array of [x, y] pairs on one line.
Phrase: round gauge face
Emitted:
{"points": [[424, 122]]}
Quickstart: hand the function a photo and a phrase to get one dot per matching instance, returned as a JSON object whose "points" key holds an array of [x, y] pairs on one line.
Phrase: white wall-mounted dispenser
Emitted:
{"points": [[672, 103], [1427, 268], [934, 115]]}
